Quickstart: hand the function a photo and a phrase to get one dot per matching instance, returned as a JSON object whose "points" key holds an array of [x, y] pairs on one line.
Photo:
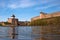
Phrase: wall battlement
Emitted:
{"points": [[45, 15]]}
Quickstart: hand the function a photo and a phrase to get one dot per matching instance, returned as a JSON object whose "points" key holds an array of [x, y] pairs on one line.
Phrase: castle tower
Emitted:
{"points": [[13, 16], [42, 15], [13, 20]]}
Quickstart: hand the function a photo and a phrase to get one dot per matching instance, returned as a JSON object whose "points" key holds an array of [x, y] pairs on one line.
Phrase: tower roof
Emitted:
{"points": [[42, 13], [13, 15]]}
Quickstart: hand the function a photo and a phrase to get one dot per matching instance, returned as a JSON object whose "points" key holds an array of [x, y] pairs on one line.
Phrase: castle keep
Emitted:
{"points": [[13, 20], [45, 15]]}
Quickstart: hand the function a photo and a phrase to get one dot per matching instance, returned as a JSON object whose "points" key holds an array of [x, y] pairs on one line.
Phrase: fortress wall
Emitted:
{"points": [[43, 15], [46, 16], [55, 15], [35, 18], [49, 15], [9, 20]]}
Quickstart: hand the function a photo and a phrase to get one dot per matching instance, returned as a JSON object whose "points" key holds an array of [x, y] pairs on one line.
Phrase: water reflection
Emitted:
{"points": [[31, 33], [24, 33]]}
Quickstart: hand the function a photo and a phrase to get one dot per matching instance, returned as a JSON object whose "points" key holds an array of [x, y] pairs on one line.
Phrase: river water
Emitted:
{"points": [[30, 33], [24, 33]]}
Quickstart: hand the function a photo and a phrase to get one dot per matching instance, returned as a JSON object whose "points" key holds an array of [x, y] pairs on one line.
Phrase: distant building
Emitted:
{"points": [[45, 15], [13, 20], [24, 23]]}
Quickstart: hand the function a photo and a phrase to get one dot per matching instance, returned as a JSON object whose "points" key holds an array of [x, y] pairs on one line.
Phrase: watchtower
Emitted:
{"points": [[42, 15]]}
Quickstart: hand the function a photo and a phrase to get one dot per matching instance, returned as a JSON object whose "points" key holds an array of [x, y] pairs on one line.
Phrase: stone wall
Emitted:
{"points": [[51, 15], [45, 15], [37, 17]]}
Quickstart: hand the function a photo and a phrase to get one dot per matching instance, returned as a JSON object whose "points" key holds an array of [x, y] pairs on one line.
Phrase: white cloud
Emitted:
{"points": [[27, 3], [22, 4], [13, 6], [52, 4], [41, 2]]}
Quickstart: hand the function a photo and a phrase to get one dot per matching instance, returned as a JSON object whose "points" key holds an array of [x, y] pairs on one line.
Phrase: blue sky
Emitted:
{"points": [[24, 10]]}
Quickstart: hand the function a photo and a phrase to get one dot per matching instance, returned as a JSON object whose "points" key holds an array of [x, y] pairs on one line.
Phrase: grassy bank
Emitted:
{"points": [[46, 21]]}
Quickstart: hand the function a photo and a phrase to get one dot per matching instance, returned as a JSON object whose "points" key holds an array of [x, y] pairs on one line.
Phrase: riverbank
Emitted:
{"points": [[46, 21]]}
